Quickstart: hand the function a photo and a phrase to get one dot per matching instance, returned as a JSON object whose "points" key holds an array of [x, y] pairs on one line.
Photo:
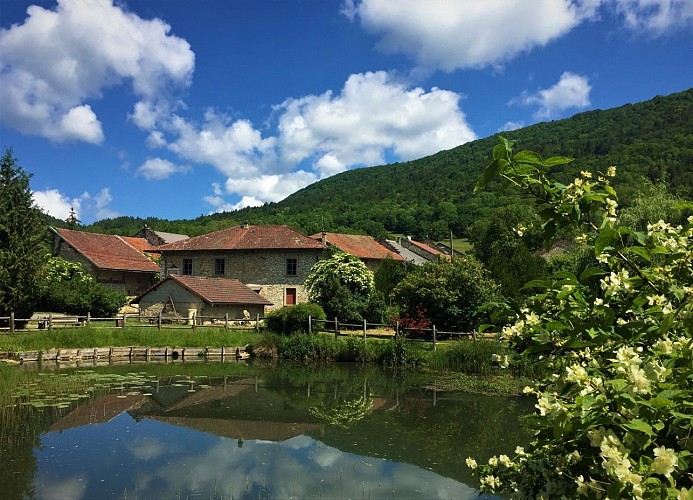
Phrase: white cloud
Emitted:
{"points": [[87, 207], [372, 119], [450, 35], [655, 16], [58, 59], [571, 91], [373, 115], [158, 169], [55, 203], [511, 125]]}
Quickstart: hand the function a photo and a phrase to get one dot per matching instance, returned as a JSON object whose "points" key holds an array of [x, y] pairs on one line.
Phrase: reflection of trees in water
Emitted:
{"points": [[437, 437], [342, 413]]}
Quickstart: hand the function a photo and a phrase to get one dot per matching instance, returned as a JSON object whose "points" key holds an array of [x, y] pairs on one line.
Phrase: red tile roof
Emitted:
{"points": [[140, 244], [216, 290], [107, 251], [247, 238], [363, 247]]}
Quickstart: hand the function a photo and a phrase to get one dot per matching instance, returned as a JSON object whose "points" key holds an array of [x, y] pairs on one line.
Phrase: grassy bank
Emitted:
{"points": [[71, 338], [462, 364]]}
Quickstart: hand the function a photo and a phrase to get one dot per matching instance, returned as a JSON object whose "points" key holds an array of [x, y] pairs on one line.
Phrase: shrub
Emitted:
{"points": [[614, 415], [308, 348], [293, 319]]}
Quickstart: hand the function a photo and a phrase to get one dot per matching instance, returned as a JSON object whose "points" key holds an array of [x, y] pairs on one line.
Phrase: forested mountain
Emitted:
{"points": [[649, 141]]}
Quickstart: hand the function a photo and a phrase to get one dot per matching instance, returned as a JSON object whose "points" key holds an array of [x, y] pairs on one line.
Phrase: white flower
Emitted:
{"points": [[598, 302], [471, 463], [581, 486], [505, 460], [611, 171], [665, 461]]}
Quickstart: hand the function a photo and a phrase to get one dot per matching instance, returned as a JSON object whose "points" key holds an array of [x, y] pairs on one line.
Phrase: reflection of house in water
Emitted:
{"points": [[237, 409], [100, 410]]}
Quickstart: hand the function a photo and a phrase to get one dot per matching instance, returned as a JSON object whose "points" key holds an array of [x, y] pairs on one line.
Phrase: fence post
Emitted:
{"points": [[12, 322], [434, 338], [124, 318], [88, 317], [364, 329], [257, 322], [158, 321], [226, 320], [50, 321], [396, 329], [336, 327], [310, 324], [474, 334], [194, 320]]}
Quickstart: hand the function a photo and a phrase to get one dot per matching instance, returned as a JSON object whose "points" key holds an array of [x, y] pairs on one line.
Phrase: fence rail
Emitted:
{"points": [[422, 334], [10, 324]]}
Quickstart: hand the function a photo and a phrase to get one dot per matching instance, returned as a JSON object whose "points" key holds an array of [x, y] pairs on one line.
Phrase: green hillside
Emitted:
{"points": [[429, 197]]}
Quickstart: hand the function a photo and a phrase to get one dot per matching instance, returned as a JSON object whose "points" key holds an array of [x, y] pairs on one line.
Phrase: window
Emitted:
{"points": [[219, 267], [187, 266], [291, 267]]}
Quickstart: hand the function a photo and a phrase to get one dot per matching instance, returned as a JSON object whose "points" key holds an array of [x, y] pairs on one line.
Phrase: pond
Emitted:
{"points": [[237, 430]]}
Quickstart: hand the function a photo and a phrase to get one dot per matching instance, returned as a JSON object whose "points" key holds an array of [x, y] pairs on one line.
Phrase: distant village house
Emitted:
{"points": [[114, 261]]}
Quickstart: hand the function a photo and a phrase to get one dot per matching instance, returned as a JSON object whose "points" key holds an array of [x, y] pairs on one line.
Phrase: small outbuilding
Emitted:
{"points": [[202, 296]]}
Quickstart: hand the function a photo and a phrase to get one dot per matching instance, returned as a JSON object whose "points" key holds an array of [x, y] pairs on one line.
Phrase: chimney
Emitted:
{"points": [[324, 237]]}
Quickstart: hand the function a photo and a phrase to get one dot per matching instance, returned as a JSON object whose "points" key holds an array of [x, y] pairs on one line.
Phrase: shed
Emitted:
{"points": [[203, 296]]}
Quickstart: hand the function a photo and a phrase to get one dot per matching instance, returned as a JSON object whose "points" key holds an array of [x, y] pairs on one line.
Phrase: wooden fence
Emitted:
{"points": [[376, 330], [10, 324]]}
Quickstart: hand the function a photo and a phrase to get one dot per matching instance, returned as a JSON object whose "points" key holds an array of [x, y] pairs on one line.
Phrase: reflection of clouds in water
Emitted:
{"points": [[277, 471], [65, 489], [147, 448]]}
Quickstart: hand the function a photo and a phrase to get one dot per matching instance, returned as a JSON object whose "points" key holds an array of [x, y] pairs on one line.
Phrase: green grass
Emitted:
{"points": [[71, 338]]}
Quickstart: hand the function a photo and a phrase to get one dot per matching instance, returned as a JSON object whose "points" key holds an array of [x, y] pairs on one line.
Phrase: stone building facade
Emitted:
{"points": [[110, 259], [271, 260]]}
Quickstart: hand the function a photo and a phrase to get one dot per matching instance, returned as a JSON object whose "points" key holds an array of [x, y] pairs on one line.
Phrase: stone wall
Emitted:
{"points": [[129, 282], [262, 270]]}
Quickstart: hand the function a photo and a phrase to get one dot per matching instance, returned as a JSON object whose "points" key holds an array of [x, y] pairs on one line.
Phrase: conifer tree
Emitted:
{"points": [[22, 231]]}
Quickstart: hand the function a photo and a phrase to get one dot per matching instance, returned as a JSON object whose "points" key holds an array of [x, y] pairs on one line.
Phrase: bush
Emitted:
{"points": [[293, 319], [308, 348]]}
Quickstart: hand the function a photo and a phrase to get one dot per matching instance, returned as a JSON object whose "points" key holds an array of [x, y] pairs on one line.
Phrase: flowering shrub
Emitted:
{"points": [[615, 417]]}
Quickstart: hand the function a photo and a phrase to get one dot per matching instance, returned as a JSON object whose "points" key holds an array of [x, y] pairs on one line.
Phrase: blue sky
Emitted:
{"points": [[177, 108]]}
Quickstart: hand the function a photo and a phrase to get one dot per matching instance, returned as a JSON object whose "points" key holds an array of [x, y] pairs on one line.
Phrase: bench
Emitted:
{"points": [[44, 322]]}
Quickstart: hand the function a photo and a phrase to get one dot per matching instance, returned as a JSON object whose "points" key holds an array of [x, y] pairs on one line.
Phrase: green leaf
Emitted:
{"points": [[605, 239], [591, 271], [639, 425], [642, 252], [529, 157], [557, 160]]}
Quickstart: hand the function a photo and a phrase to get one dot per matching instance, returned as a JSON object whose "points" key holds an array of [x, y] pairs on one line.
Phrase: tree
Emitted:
{"points": [[22, 233], [614, 413], [345, 289], [449, 293], [68, 288]]}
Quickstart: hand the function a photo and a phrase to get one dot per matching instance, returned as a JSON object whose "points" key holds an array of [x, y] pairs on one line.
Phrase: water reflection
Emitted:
{"points": [[254, 432]]}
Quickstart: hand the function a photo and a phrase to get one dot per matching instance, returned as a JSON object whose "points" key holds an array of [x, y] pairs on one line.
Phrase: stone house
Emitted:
{"points": [[366, 248], [203, 296], [271, 260], [110, 259]]}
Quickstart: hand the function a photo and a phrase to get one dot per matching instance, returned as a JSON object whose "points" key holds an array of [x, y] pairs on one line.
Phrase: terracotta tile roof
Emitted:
{"points": [[140, 244], [108, 251], [215, 290], [363, 247], [247, 238]]}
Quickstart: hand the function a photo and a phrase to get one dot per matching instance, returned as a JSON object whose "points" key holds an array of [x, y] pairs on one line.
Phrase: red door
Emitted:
{"points": [[290, 296]]}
